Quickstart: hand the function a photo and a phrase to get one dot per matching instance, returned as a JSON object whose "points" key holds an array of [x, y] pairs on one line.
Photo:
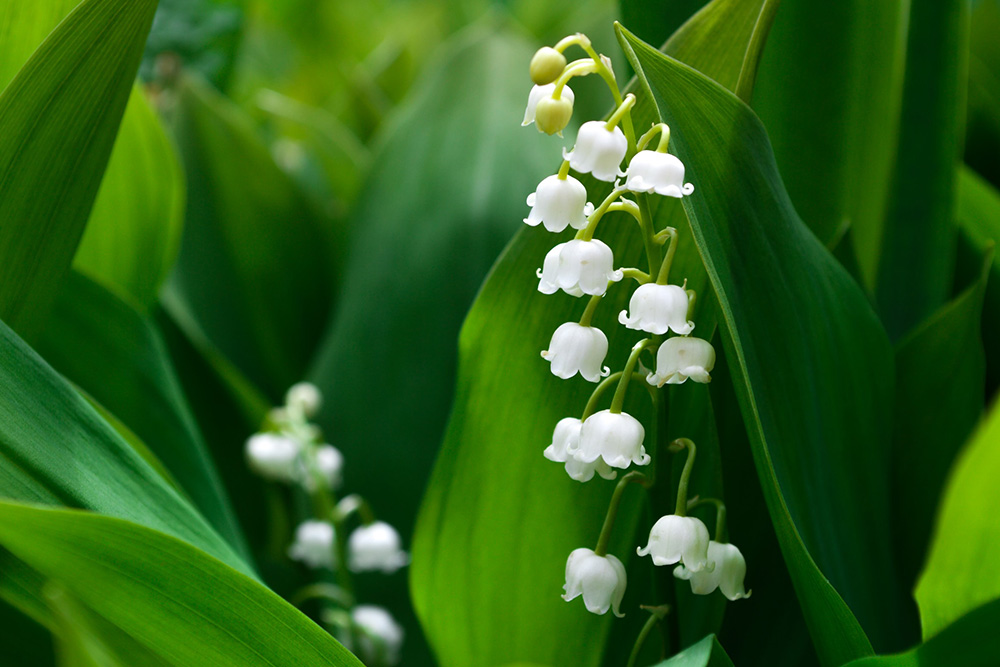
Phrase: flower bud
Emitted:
{"points": [[330, 462], [552, 115], [600, 579], [376, 546], [304, 397], [546, 65]]}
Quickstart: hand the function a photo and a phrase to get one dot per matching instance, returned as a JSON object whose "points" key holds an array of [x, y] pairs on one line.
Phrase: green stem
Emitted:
{"points": [[575, 68], [587, 233], [648, 235], [588, 313], [680, 508], [564, 170], [656, 615], [620, 112], [619, 399], [595, 398], [355, 503], [668, 260], [720, 516], [692, 295], [616, 499], [640, 277], [322, 591], [664, 131]]}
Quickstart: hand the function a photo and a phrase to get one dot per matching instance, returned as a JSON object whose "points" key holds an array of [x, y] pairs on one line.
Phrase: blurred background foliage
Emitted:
{"points": [[305, 189]]}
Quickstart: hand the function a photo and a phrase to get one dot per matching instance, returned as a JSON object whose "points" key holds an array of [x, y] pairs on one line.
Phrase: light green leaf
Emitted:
{"points": [[170, 598], [931, 425], [971, 641], [706, 653], [917, 249], [56, 450], [958, 576], [254, 268], [829, 93], [117, 356], [60, 116], [485, 554], [134, 232], [809, 359]]}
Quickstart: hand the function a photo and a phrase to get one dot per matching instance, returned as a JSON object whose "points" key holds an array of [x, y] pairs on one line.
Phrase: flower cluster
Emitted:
{"points": [[609, 440], [290, 451]]}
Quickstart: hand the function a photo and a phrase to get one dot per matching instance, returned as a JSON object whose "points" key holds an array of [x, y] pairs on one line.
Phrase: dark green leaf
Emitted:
{"points": [[917, 248], [810, 361], [60, 116], [706, 653], [117, 356], [170, 598]]}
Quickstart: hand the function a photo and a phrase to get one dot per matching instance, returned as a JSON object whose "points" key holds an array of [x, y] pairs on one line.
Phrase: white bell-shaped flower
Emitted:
{"points": [[538, 93], [600, 580], [381, 636], [565, 439], [598, 151], [559, 203], [376, 546], [274, 456], [574, 349], [304, 397], [679, 539], [730, 570], [614, 437], [578, 267], [657, 309], [680, 358], [313, 544], [330, 462], [662, 173]]}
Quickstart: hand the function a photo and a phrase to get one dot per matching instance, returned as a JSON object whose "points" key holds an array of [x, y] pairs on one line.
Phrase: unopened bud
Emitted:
{"points": [[552, 115], [546, 65]]}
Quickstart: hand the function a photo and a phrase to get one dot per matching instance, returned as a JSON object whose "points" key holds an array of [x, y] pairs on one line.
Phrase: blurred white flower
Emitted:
{"points": [[313, 544], [274, 456], [574, 349], [730, 570], [600, 579], [540, 92], [578, 267], [376, 546], [657, 309], [304, 397], [598, 151], [679, 539], [330, 462], [662, 173], [680, 358], [558, 203], [566, 437], [381, 636], [614, 437]]}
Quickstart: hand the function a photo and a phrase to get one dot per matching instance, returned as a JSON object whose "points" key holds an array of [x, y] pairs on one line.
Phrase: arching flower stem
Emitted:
{"points": [[601, 388], [664, 131], [720, 515], [588, 313], [619, 398], [587, 233], [664, 275], [563, 170], [621, 113], [575, 68], [605, 73], [678, 445], [656, 614], [616, 500]]}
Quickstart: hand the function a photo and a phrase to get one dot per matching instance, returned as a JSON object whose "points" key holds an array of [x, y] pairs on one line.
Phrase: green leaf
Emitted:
{"points": [[134, 232], [56, 450], [931, 425], [172, 599], [254, 268], [791, 316], [971, 641], [982, 139], [706, 653], [829, 93], [485, 554], [653, 19], [917, 253], [958, 577], [60, 116], [118, 357]]}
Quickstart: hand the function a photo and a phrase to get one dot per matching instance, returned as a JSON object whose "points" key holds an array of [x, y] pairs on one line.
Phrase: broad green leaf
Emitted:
{"points": [[809, 359], [982, 138], [706, 653], [959, 575], [917, 248], [931, 425], [971, 641], [485, 553], [978, 213], [175, 601], [254, 268], [23, 27], [829, 93], [117, 356], [56, 450], [60, 115], [134, 232]]}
